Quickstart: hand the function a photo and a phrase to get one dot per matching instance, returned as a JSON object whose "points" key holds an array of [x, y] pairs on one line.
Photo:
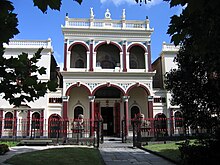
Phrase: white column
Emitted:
{"points": [[121, 61], [146, 61], [128, 60], [87, 64], [68, 60]]}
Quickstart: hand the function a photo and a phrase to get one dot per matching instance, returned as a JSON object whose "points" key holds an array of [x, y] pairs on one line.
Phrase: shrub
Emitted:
{"points": [[201, 153], [3, 149]]}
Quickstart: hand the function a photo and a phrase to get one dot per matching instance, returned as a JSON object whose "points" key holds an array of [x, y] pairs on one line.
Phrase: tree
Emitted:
{"points": [[195, 85], [18, 81]]}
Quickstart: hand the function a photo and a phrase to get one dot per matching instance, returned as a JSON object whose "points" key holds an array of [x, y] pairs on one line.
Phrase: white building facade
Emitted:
{"points": [[107, 75], [30, 119]]}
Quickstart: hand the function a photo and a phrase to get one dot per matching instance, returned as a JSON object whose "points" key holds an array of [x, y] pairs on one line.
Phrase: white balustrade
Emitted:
{"points": [[113, 24], [170, 47]]}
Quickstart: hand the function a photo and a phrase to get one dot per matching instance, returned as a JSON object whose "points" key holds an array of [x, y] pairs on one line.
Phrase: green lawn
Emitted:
{"points": [[57, 156], [169, 150]]}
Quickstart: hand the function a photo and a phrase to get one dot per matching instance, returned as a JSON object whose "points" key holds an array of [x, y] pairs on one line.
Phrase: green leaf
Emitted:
{"points": [[79, 1], [52, 85], [44, 4]]}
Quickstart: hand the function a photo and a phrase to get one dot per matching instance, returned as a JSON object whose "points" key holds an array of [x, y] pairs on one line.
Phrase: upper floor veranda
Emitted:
{"points": [[106, 45]]}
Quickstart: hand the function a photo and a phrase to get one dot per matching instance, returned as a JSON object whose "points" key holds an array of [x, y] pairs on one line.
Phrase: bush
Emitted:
{"points": [[3, 149], [201, 153]]}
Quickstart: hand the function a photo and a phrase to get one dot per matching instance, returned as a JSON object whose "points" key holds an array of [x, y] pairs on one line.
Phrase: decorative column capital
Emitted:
{"points": [[91, 98], [125, 98], [65, 98], [150, 98]]}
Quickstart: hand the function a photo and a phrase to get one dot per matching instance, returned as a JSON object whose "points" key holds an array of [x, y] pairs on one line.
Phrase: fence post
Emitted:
{"points": [[134, 142], [98, 125], [122, 132]]}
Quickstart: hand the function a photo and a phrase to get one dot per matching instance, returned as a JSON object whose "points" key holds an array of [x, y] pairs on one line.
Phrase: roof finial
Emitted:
{"points": [[123, 14], [91, 13], [107, 14]]}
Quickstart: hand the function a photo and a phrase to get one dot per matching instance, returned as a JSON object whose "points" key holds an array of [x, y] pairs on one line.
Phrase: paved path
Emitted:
{"points": [[113, 153], [118, 153]]}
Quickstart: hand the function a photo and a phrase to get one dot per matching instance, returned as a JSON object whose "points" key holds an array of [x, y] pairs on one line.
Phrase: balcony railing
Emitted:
{"points": [[29, 43], [103, 23], [170, 47]]}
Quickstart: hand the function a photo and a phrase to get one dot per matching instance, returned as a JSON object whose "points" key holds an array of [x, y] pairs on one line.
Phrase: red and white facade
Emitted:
{"points": [[107, 74], [107, 69]]}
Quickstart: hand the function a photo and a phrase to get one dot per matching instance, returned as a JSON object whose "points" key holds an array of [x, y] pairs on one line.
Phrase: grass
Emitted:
{"points": [[9, 143], [169, 150], [57, 156]]}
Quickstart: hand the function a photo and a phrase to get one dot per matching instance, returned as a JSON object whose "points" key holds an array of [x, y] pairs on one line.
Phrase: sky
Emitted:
{"points": [[35, 25]]}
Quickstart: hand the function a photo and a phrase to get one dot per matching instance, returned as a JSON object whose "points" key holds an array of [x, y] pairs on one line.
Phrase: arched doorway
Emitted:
{"points": [[8, 124], [160, 125], [107, 104], [54, 126], [35, 125], [134, 111], [78, 111]]}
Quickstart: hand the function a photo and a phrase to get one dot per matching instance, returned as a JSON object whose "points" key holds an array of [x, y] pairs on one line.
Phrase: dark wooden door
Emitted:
{"points": [[108, 122]]}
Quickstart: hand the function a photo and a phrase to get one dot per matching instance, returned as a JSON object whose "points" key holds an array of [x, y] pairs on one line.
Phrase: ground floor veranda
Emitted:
{"points": [[81, 111]]}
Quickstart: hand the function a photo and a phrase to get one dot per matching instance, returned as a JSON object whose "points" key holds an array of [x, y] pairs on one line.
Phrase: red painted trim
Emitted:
{"points": [[65, 56], [126, 117], [105, 42], [124, 58], [42, 123], [117, 118], [15, 123], [106, 85], [28, 122], [150, 109], [138, 85], [91, 57], [65, 108], [76, 85], [136, 44], [91, 118], [78, 43], [149, 58]]}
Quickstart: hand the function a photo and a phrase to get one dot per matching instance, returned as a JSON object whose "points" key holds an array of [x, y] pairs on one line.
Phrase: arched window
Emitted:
{"points": [[160, 124], [108, 55], [78, 111], [133, 64], [78, 56], [8, 124], [79, 63], [134, 111], [136, 58], [35, 124], [55, 126], [178, 119]]}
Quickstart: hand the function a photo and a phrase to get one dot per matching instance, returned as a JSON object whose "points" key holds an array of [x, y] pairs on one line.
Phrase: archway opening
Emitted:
{"points": [[55, 126], [134, 111], [137, 58], [160, 125], [78, 57], [107, 104], [108, 56]]}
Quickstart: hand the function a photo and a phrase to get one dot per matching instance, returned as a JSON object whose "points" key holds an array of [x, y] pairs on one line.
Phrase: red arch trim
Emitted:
{"points": [[78, 43], [107, 85], [138, 85], [105, 42], [136, 44], [76, 85], [54, 115]]}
